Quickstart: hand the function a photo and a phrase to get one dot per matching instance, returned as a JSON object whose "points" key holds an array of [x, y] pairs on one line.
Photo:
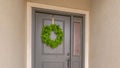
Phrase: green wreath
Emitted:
{"points": [[46, 32]]}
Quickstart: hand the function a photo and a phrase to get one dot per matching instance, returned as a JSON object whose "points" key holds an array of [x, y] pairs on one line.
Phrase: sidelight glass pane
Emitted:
{"points": [[77, 37]]}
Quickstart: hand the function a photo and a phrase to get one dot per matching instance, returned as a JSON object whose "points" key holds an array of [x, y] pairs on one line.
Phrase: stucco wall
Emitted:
{"points": [[12, 33], [77, 4], [105, 34], [12, 28]]}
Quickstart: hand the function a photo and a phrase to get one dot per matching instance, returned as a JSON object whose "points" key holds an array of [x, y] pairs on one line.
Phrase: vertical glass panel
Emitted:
{"points": [[77, 37]]}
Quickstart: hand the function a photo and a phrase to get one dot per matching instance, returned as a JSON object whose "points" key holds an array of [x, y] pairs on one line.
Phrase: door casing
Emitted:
{"points": [[59, 10]]}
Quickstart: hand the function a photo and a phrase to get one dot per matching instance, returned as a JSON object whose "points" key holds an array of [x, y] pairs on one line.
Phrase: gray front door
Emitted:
{"points": [[60, 57]]}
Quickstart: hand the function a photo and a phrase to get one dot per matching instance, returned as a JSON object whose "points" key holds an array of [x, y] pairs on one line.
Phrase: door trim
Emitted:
{"points": [[30, 5]]}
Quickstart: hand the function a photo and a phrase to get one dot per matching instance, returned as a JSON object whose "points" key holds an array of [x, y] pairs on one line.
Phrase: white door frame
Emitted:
{"points": [[50, 7]]}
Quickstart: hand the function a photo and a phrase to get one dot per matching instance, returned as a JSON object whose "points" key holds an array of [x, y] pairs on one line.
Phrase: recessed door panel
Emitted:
{"points": [[53, 65], [60, 48]]}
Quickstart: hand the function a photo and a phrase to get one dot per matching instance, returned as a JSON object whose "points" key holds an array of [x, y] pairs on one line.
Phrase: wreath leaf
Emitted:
{"points": [[46, 32]]}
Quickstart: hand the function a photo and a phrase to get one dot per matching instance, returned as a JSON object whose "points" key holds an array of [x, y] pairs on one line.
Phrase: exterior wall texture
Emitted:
{"points": [[13, 28], [76, 4], [105, 34], [12, 34]]}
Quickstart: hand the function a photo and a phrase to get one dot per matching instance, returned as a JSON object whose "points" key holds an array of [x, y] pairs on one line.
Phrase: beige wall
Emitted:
{"points": [[77, 4], [12, 35], [12, 28], [105, 34]]}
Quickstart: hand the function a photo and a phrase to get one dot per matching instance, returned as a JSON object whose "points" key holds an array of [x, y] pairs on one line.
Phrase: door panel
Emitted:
{"points": [[59, 49], [44, 56], [53, 65]]}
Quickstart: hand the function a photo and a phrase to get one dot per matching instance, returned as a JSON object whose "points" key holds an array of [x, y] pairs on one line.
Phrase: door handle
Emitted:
{"points": [[68, 63], [68, 54]]}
